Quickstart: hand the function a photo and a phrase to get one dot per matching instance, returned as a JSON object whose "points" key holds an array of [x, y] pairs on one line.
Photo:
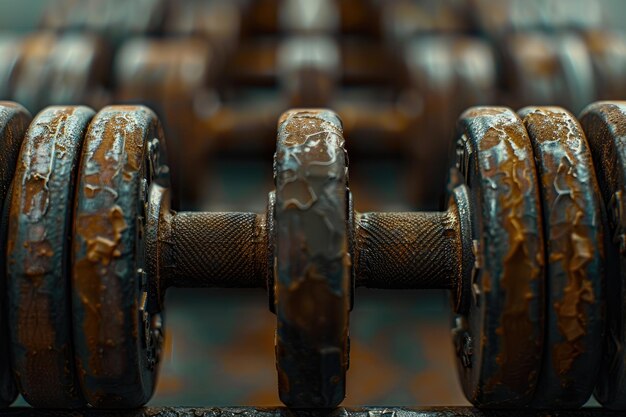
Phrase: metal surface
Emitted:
{"points": [[312, 276], [117, 340], [605, 127], [407, 250], [14, 120], [573, 225], [499, 340], [38, 264], [214, 250]]}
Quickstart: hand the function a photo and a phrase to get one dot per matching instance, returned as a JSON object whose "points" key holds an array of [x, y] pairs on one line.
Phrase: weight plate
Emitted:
{"points": [[604, 123], [78, 70], [117, 339], [548, 69], [14, 120], [577, 69], [608, 55], [9, 57], [312, 263], [499, 339], [573, 227], [38, 258]]}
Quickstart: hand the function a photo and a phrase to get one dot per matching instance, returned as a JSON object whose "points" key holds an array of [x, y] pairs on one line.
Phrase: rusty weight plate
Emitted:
{"points": [[40, 226], [573, 224], [499, 338], [312, 261], [14, 120], [604, 124], [117, 339]]}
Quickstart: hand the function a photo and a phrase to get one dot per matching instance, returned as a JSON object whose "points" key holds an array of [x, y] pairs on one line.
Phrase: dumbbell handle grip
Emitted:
{"points": [[226, 250], [412, 250], [390, 250]]}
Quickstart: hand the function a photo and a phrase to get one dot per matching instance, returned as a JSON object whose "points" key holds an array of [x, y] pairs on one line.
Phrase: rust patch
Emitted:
{"points": [[105, 245], [303, 307]]}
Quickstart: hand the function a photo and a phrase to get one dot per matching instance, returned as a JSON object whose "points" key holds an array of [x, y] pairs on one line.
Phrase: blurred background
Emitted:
{"points": [[398, 72]]}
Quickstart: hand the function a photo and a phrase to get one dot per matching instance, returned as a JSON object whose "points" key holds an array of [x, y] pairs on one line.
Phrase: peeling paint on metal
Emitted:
{"points": [[312, 274]]}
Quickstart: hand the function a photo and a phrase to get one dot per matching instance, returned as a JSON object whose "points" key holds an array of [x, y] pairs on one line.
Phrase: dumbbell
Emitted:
{"points": [[523, 246], [44, 68], [85, 280], [219, 117], [444, 74]]}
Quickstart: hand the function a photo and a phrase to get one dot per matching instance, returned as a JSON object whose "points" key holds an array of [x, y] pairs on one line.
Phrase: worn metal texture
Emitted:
{"points": [[407, 250], [337, 412], [499, 341], [574, 228], [14, 120], [158, 211], [309, 68], [9, 55], [214, 250], [604, 124], [312, 264], [117, 340], [38, 258]]}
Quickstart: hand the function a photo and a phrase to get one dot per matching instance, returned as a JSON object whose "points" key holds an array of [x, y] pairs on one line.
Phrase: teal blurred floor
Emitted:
{"points": [[220, 350]]}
